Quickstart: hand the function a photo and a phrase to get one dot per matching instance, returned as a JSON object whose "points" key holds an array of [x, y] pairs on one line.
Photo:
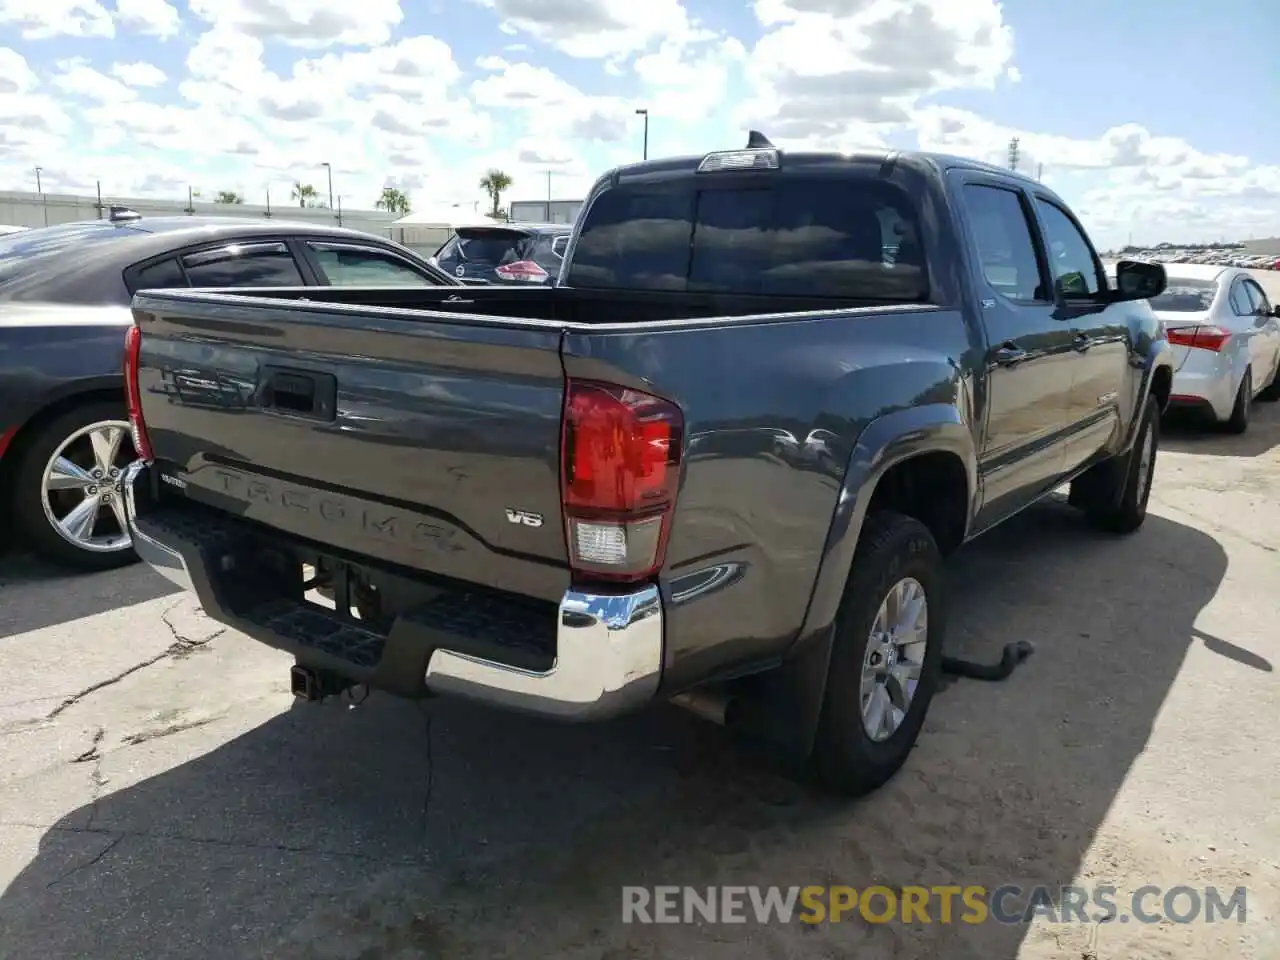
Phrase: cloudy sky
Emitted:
{"points": [[1155, 117]]}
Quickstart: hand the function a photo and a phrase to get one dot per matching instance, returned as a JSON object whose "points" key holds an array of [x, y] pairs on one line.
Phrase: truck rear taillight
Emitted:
{"points": [[1206, 337], [133, 394], [620, 471], [525, 270]]}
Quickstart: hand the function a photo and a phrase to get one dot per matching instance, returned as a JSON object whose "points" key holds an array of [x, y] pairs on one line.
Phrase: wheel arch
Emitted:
{"points": [[900, 461], [81, 393]]}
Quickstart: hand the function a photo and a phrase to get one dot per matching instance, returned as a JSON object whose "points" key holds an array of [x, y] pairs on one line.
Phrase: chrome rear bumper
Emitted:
{"points": [[608, 657]]}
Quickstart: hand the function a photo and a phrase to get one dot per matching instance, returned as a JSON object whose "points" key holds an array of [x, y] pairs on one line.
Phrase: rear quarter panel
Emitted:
{"points": [[773, 414], [50, 353]]}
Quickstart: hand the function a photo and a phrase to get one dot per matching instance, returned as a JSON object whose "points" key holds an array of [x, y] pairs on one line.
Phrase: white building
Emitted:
{"points": [[544, 211]]}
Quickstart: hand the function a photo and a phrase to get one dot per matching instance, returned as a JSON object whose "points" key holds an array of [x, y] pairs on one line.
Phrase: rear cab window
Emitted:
{"points": [[848, 235]]}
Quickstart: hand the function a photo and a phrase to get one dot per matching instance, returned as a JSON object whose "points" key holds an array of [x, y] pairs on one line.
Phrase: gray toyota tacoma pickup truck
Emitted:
{"points": [[720, 461]]}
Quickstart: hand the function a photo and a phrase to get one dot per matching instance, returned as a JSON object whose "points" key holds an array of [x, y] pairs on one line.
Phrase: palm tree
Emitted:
{"points": [[493, 183], [393, 201], [228, 196], [305, 194]]}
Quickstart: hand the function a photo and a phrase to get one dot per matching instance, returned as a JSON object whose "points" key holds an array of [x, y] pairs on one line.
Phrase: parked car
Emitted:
{"points": [[505, 253], [64, 306], [1225, 335], [511, 506]]}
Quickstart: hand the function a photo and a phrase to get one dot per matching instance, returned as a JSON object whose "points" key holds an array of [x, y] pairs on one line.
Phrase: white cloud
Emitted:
{"points": [[304, 23], [16, 75], [826, 69], [43, 19], [156, 18], [258, 93], [594, 29], [139, 74], [77, 79]]}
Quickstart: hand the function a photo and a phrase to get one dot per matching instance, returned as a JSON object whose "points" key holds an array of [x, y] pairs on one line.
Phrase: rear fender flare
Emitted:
{"points": [[795, 690]]}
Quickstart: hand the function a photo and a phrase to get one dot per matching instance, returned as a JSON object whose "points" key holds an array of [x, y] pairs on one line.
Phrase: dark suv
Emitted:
{"points": [[505, 253]]}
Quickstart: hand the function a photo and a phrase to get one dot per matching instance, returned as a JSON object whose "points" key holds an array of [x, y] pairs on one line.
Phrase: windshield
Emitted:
{"points": [[1185, 296]]}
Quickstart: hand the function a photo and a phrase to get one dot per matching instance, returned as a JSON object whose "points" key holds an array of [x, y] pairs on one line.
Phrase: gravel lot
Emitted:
{"points": [[161, 796]]}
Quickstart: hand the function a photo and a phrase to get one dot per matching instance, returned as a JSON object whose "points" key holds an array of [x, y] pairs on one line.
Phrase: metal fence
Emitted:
{"points": [[28, 209]]}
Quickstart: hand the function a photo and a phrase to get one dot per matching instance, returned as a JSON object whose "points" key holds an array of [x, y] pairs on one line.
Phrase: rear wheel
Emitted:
{"points": [[68, 488], [1238, 422], [886, 659]]}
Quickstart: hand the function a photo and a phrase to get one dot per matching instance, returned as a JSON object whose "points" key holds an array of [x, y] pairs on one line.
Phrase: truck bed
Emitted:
{"points": [[443, 426], [566, 305]]}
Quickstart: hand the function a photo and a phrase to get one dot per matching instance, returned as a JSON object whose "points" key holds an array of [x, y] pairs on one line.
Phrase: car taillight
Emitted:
{"points": [[522, 270], [620, 468], [133, 394], [1208, 337]]}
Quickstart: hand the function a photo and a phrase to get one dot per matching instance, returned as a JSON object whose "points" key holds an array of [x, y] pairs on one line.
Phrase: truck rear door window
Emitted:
{"points": [[819, 237]]}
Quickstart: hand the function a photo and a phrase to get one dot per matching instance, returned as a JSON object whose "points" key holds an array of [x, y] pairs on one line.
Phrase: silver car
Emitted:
{"points": [[1225, 336]]}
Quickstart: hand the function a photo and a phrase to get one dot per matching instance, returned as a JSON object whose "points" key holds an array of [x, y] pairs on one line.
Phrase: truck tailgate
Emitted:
{"points": [[432, 445]]}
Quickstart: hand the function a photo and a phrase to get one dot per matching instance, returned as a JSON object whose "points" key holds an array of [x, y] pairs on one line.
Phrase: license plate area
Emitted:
{"points": [[346, 591]]}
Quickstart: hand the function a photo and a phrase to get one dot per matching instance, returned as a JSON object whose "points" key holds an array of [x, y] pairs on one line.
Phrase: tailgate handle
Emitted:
{"points": [[299, 392]]}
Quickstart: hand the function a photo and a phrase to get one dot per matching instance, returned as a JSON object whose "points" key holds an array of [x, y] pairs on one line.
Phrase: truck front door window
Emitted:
{"points": [[1076, 271]]}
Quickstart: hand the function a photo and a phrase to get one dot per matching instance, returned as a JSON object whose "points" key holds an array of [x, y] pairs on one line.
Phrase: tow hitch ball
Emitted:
{"points": [[313, 685]]}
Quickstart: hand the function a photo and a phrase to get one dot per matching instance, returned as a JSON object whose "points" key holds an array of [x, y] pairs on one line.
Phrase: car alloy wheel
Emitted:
{"points": [[82, 491]]}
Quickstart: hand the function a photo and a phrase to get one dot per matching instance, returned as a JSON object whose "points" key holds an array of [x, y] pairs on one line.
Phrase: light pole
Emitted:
{"points": [[644, 112], [44, 206], [329, 171]]}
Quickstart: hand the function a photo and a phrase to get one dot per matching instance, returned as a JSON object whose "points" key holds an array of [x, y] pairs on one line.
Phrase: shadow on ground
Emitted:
{"points": [[1184, 432], [326, 833], [36, 594]]}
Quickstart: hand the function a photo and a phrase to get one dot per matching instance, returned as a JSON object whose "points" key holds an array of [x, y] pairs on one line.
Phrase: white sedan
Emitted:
{"points": [[1225, 336]]}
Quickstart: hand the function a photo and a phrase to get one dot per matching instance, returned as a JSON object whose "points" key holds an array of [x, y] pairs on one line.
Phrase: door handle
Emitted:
{"points": [[1009, 354], [1082, 342]]}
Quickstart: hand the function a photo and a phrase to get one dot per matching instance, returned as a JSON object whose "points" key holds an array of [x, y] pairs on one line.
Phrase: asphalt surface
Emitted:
{"points": [[162, 796]]}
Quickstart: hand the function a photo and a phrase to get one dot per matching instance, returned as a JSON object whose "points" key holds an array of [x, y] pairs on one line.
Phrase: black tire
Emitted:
{"points": [[1238, 422], [1115, 497], [845, 758], [1271, 392], [28, 486]]}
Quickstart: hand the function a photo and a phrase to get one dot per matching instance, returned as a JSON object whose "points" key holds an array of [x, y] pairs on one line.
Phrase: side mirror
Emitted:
{"points": [[1275, 311], [1138, 280]]}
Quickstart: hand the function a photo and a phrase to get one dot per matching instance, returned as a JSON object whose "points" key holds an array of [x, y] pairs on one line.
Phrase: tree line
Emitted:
{"points": [[392, 199]]}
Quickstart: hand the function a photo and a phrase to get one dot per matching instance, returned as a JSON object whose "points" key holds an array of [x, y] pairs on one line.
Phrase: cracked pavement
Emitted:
{"points": [[161, 795]]}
